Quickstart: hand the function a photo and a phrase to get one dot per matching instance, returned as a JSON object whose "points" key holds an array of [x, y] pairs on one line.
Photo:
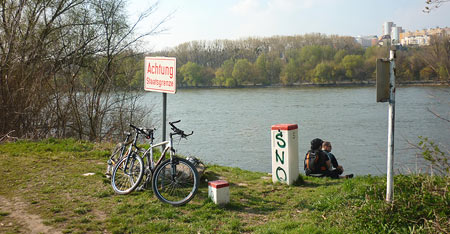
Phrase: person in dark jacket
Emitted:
{"points": [[317, 162], [326, 147]]}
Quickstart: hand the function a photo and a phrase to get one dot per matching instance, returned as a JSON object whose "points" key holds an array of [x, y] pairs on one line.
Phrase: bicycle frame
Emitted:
{"points": [[149, 153], [136, 135], [121, 152], [126, 142]]}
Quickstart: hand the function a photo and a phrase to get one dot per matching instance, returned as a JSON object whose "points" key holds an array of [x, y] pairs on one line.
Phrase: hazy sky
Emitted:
{"points": [[234, 19]]}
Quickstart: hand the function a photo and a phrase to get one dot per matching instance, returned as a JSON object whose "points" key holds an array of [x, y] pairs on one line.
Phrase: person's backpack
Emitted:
{"points": [[311, 161]]}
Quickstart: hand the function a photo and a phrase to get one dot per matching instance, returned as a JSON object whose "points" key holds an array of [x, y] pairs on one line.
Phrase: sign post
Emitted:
{"points": [[160, 76], [390, 162], [386, 92]]}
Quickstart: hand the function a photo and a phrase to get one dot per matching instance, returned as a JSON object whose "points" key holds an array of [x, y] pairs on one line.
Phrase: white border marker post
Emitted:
{"points": [[285, 153]]}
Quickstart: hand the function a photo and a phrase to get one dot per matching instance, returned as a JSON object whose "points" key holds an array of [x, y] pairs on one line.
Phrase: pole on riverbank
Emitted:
{"points": [[164, 111], [390, 160]]}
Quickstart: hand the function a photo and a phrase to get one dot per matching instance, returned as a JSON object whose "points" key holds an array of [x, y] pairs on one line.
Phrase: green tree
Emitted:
{"points": [[352, 65], [224, 73], [310, 56], [340, 55], [242, 71], [219, 79], [192, 74], [227, 68], [273, 68], [338, 72], [323, 73], [262, 68], [289, 74], [230, 82], [208, 75], [268, 68]]}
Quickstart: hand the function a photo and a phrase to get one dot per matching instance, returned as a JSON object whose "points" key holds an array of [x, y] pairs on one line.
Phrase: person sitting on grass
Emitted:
{"points": [[326, 147], [317, 163]]}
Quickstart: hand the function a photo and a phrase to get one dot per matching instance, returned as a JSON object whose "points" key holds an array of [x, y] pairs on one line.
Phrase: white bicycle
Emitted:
{"points": [[174, 180]]}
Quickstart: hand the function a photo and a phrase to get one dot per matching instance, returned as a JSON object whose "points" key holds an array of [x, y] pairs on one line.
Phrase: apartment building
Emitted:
{"points": [[421, 37], [394, 31]]}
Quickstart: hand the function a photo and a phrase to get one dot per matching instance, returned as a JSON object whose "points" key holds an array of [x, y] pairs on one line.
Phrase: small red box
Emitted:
{"points": [[218, 184]]}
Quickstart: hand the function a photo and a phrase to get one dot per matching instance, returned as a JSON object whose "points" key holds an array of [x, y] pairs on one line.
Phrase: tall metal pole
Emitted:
{"points": [[390, 162], [164, 118]]}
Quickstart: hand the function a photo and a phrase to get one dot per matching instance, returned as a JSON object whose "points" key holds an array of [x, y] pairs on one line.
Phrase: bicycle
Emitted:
{"points": [[174, 180], [128, 171], [117, 154]]}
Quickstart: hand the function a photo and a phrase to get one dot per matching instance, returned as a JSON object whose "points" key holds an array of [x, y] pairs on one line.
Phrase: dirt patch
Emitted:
{"points": [[18, 213]]}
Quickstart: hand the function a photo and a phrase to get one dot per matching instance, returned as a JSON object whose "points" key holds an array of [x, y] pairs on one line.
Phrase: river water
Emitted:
{"points": [[232, 126]]}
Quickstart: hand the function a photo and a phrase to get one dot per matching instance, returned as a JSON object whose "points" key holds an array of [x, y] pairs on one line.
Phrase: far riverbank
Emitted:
{"points": [[335, 84]]}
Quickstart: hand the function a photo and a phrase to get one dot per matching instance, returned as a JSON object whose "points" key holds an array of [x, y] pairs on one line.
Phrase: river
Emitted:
{"points": [[232, 126]]}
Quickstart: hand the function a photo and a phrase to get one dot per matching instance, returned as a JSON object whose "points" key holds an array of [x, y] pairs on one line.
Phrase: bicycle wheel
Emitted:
{"points": [[175, 182], [114, 159], [125, 181]]}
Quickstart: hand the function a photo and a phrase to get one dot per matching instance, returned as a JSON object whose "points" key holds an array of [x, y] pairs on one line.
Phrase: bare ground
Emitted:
{"points": [[26, 222]]}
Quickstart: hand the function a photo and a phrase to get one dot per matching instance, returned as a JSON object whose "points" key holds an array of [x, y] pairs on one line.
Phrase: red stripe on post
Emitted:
{"points": [[218, 184], [284, 126]]}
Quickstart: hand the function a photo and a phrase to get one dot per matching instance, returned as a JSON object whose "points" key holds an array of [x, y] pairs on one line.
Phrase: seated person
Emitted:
{"points": [[318, 164], [326, 147]]}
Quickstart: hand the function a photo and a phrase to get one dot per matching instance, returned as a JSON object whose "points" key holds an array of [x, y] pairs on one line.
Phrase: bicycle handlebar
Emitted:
{"points": [[178, 131], [148, 132]]}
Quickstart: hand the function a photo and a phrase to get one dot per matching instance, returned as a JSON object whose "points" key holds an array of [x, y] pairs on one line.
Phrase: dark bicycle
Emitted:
{"points": [[118, 154]]}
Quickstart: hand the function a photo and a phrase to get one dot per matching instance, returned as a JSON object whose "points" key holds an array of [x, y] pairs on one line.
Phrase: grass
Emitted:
{"points": [[48, 176]]}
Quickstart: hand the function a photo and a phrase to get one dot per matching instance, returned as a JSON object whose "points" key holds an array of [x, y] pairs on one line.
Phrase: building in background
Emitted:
{"points": [[422, 37], [387, 26], [394, 31], [396, 35], [367, 41]]}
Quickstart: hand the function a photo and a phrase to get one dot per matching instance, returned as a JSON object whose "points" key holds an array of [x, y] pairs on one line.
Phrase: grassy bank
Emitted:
{"points": [[46, 179]]}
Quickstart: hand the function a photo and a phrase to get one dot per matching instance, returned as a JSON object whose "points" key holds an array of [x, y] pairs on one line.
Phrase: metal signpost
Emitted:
{"points": [[160, 76], [386, 92]]}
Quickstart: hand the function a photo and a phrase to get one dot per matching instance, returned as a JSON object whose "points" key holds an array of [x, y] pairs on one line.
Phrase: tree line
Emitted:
{"points": [[311, 58], [70, 68]]}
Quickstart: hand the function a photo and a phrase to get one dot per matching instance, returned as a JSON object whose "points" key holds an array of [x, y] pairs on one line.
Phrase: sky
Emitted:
{"points": [[191, 20]]}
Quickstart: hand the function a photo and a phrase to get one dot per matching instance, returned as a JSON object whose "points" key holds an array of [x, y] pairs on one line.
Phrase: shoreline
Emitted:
{"points": [[337, 84]]}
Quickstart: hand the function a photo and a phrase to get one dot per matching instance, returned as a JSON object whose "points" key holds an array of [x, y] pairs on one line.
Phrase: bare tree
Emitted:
{"points": [[437, 56], [27, 62], [61, 62], [433, 4]]}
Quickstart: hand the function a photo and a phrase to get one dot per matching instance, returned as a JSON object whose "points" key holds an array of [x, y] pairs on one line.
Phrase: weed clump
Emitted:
{"points": [[421, 204]]}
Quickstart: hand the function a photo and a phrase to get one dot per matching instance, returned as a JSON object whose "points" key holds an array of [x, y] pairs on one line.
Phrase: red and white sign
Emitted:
{"points": [[160, 74]]}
